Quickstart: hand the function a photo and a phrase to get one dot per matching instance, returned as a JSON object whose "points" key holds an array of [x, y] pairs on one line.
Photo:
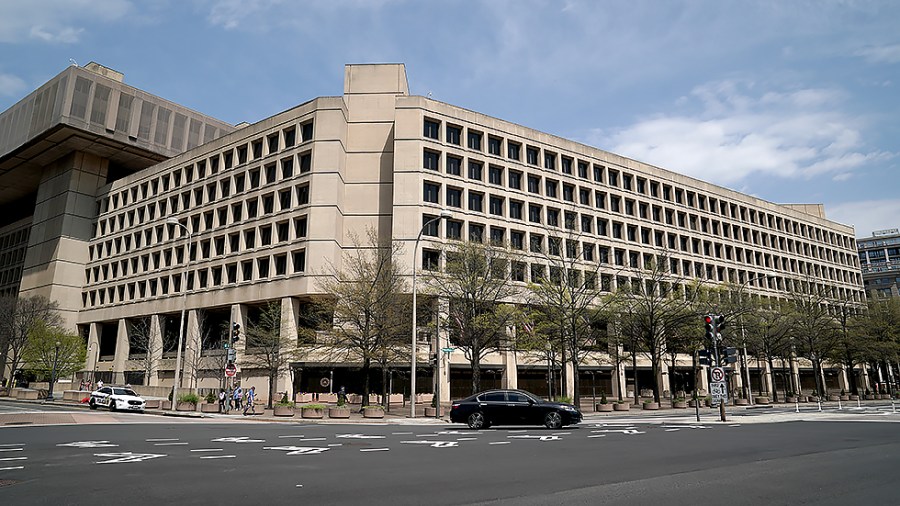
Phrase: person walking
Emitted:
{"points": [[251, 396], [238, 393], [222, 400]]}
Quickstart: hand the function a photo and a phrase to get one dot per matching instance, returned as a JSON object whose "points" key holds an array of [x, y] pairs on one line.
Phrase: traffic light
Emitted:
{"points": [[706, 357], [710, 321], [720, 324], [235, 331], [730, 356]]}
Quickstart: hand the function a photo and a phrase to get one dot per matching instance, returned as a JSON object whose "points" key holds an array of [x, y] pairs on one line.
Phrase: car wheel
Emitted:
{"points": [[477, 421], [92, 404], [112, 405], [553, 420]]}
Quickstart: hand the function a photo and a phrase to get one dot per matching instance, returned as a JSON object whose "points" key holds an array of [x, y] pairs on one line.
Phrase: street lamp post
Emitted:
{"points": [[187, 252], [53, 372], [412, 376]]}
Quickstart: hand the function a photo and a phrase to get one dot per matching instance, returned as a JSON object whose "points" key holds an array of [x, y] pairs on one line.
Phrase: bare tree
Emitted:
{"points": [[769, 336], [142, 346], [370, 309], [476, 282], [653, 306], [19, 319], [267, 347], [567, 301]]}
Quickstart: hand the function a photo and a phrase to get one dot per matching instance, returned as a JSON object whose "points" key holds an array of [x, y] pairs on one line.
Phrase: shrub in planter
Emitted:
{"points": [[373, 411], [621, 406], [211, 398], [651, 405], [339, 411], [312, 411], [679, 403], [187, 402]]}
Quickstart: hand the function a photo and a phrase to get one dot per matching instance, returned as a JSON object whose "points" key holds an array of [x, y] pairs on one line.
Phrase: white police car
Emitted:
{"points": [[117, 399]]}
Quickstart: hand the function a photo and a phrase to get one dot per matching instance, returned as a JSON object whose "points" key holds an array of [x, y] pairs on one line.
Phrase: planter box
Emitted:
{"points": [[209, 408], [834, 397], [287, 411], [692, 403], [812, 398], [679, 404], [373, 412], [845, 397], [854, 397], [336, 412], [741, 402], [306, 412], [621, 407], [870, 397], [27, 394], [165, 405], [152, 404], [185, 406], [792, 400], [604, 408], [432, 412], [651, 406], [885, 397], [761, 400]]}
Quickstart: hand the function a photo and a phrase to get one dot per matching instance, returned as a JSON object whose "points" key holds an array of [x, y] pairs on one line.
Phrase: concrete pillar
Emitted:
{"points": [[444, 342], [795, 375], [767, 378], [156, 350], [510, 378], [663, 379], [618, 381], [703, 381], [843, 381], [122, 349], [192, 348], [290, 308], [239, 316], [569, 390], [93, 349], [865, 384]]}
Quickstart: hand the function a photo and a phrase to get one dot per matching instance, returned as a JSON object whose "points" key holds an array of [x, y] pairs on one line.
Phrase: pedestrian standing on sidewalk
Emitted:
{"points": [[238, 393], [222, 400], [228, 394], [251, 396]]}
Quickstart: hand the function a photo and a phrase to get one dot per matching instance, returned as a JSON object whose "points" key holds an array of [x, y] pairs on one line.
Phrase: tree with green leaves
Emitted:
{"points": [[370, 308], [18, 319], [477, 284], [769, 335], [882, 325], [48, 346], [813, 324]]}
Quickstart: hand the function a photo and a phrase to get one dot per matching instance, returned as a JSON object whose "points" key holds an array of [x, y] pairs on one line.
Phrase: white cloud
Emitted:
{"points": [[881, 54], [736, 132], [55, 21], [866, 216], [11, 85]]}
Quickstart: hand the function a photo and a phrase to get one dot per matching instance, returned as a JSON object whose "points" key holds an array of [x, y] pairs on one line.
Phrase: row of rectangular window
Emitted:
{"points": [[536, 214], [258, 269], [630, 182]]}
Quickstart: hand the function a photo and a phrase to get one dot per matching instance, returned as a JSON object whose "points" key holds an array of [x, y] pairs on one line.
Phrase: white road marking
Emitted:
{"points": [[375, 449], [89, 444], [295, 435], [467, 439], [208, 450], [336, 444], [299, 486], [502, 442], [541, 438], [14, 458], [621, 431], [237, 439], [219, 457], [691, 426], [735, 425], [358, 436], [561, 433], [160, 439], [11, 449], [298, 450], [127, 457], [598, 435], [169, 444], [672, 430], [433, 444], [23, 444], [11, 468], [401, 433]]}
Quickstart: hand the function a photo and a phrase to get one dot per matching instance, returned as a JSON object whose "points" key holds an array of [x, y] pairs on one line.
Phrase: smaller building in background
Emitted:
{"points": [[879, 258]]}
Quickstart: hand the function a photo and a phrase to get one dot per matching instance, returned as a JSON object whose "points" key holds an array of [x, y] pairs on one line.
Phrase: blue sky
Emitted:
{"points": [[792, 101]]}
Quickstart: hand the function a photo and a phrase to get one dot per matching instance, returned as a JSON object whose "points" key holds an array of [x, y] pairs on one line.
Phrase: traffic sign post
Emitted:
{"points": [[230, 370], [717, 374], [719, 392]]}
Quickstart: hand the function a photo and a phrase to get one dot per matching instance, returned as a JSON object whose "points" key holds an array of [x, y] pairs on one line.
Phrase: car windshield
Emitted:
{"points": [[124, 391]]}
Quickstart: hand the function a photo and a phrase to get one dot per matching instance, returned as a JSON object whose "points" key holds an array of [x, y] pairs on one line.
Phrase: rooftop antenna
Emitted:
{"points": [[73, 62], [429, 94]]}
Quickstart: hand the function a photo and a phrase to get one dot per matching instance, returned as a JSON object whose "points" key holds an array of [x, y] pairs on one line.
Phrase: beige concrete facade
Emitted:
{"points": [[256, 214]]}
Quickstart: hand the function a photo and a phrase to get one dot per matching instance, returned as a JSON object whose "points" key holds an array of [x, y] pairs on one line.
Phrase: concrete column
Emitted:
{"points": [[93, 349], [290, 308], [767, 378], [510, 378], [192, 348], [122, 350], [618, 380], [444, 342], [239, 316], [156, 350], [795, 374], [843, 382], [865, 384], [569, 390], [703, 381], [663, 379]]}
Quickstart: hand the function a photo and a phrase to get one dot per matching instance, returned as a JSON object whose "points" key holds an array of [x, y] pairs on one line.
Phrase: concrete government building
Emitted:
{"points": [[110, 196]]}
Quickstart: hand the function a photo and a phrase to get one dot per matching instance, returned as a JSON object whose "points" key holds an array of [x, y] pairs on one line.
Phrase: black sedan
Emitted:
{"points": [[512, 407]]}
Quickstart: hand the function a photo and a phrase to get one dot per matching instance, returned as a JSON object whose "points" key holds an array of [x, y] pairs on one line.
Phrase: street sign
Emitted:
{"points": [[448, 350], [719, 392], [717, 374], [230, 370]]}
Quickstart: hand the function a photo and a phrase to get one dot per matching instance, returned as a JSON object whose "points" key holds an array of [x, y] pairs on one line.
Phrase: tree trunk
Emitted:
{"points": [[655, 370], [366, 367], [476, 376], [637, 390], [564, 385], [854, 388], [576, 399], [672, 380], [384, 387], [272, 376]]}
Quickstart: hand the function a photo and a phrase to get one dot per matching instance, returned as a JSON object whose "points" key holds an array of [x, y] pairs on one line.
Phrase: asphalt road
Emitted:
{"points": [[594, 463]]}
